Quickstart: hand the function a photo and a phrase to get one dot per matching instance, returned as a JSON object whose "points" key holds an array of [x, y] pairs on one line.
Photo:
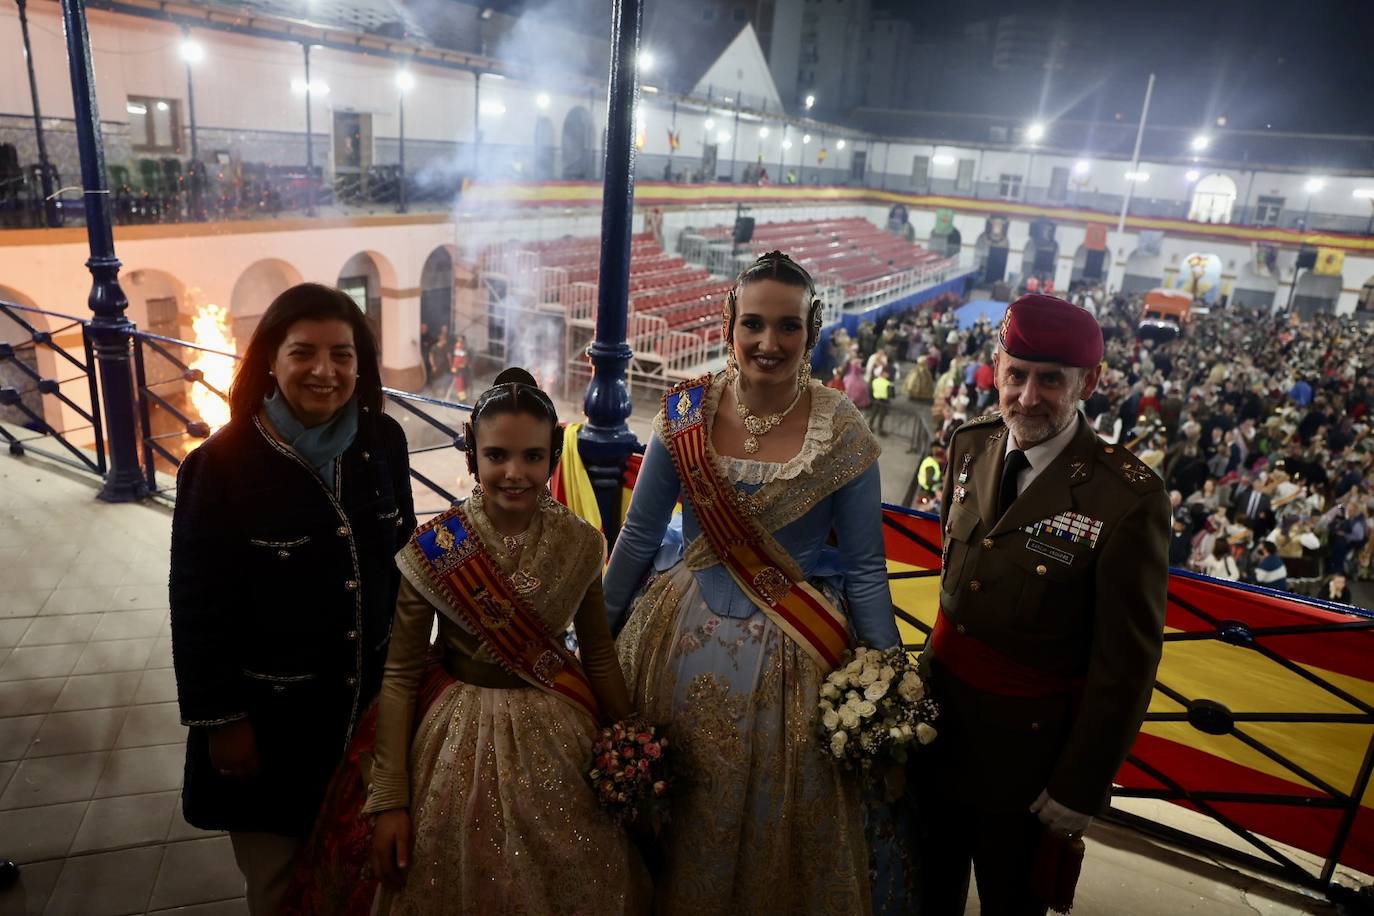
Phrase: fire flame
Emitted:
{"points": [[211, 329]]}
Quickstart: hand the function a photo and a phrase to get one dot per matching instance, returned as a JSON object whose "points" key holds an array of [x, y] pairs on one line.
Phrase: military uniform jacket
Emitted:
{"points": [[1071, 581]]}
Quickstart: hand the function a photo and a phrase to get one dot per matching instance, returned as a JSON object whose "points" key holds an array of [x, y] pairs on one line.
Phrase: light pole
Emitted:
{"points": [[110, 327], [309, 140], [404, 83], [734, 146], [52, 214], [476, 122], [1313, 186], [192, 53]]}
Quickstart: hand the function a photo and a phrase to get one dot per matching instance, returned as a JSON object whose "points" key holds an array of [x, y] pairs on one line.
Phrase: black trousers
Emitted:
{"points": [[1000, 847]]}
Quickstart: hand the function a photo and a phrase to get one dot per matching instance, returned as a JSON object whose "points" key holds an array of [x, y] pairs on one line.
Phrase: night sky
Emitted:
{"points": [[1296, 65], [1283, 65]]}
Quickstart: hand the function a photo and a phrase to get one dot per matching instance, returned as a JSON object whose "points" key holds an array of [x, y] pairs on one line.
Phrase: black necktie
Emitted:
{"points": [[1016, 463]]}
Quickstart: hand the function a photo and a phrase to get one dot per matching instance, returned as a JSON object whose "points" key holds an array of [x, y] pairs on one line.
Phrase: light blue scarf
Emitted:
{"points": [[319, 445]]}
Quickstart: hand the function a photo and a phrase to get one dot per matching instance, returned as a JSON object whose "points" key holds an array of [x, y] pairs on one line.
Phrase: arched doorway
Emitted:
{"points": [[253, 292], [1214, 197], [1317, 294], [577, 145], [436, 305], [1144, 271], [1365, 304], [361, 279], [543, 149]]}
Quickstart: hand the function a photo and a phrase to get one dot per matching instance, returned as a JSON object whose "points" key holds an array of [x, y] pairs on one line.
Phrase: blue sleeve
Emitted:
{"points": [[859, 532], [651, 508]]}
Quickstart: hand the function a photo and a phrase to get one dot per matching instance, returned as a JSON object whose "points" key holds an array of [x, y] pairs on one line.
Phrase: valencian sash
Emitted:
{"points": [[754, 559], [487, 603]]}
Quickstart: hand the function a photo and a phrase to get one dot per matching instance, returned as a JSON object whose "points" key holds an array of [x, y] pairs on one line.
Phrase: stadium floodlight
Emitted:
{"points": [[1082, 167], [723, 137], [1138, 177], [192, 51], [1035, 132], [806, 138], [542, 101], [316, 87], [942, 159], [1314, 185], [709, 124], [1192, 175], [810, 101], [1201, 142], [405, 80], [1363, 194], [839, 144], [787, 144], [494, 107], [763, 133], [646, 61]]}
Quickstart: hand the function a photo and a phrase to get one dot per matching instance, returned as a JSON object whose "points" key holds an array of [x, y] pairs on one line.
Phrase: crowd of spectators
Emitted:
{"points": [[1260, 424]]}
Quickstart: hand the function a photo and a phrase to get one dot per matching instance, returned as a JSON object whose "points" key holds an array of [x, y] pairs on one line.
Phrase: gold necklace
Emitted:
{"points": [[759, 426], [514, 543]]}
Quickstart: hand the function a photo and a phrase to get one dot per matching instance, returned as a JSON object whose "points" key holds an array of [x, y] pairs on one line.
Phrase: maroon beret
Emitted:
{"points": [[1045, 329]]}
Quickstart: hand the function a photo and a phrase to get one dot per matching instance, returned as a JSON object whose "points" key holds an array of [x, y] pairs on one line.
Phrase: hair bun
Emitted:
{"points": [[517, 375]]}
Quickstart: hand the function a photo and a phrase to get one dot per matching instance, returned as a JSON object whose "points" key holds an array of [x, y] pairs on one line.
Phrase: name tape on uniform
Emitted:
{"points": [[1073, 527]]}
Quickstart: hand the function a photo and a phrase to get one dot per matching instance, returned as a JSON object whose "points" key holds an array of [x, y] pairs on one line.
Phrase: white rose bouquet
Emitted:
{"points": [[874, 707]]}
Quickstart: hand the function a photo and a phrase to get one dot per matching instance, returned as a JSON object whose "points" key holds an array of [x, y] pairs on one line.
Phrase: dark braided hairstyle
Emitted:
{"points": [[774, 266], [513, 392]]}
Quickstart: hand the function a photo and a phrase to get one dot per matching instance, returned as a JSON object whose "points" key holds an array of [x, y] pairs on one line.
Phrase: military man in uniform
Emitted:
{"points": [[1052, 598]]}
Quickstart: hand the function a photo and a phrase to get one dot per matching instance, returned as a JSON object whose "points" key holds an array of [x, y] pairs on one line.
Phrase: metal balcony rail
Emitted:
{"points": [[163, 378], [1213, 785], [20, 363]]}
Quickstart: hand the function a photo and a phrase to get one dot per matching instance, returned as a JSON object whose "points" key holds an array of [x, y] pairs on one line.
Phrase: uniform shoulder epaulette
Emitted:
{"points": [[1128, 467], [986, 419]]}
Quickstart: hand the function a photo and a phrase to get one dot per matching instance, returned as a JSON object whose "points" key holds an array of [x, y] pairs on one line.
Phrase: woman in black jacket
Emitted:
{"points": [[282, 578]]}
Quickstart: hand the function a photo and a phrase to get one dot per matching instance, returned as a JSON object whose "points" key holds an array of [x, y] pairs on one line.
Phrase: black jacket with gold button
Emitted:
{"points": [[282, 596], [1071, 581]]}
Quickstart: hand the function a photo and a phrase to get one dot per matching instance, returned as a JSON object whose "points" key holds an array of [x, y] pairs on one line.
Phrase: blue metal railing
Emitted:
{"points": [[20, 400], [159, 439]]}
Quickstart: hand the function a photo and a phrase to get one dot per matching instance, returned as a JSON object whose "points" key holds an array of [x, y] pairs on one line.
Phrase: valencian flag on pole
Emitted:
{"points": [[674, 139]]}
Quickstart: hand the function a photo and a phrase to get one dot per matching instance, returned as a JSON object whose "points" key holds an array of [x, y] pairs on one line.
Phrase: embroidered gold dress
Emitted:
{"points": [[766, 823], [504, 820]]}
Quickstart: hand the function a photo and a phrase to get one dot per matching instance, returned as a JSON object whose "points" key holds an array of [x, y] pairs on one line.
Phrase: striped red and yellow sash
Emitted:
{"points": [[484, 596], [751, 555]]}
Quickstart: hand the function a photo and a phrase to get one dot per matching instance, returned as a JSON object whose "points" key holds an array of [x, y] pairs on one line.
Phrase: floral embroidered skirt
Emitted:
{"points": [[504, 819], [762, 820]]}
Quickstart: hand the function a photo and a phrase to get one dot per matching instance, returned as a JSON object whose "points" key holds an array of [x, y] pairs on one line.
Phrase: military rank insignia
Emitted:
{"points": [[1073, 527]]}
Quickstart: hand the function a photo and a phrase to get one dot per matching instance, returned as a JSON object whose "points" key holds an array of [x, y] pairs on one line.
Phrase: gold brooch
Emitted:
{"points": [[772, 584], [495, 613], [701, 488]]}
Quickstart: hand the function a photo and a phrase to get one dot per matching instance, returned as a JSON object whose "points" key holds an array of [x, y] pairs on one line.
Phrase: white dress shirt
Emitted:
{"points": [[1042, 456]]}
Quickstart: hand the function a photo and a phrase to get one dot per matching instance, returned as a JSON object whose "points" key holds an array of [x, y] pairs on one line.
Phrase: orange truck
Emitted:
{"points": [[1164, 314]]}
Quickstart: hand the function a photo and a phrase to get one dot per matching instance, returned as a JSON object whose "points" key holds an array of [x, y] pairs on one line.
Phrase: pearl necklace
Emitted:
{"points": [[759, 426]]}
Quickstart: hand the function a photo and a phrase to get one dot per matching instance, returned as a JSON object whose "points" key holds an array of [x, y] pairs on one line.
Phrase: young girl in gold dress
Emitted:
{"points": [[487, 809]]}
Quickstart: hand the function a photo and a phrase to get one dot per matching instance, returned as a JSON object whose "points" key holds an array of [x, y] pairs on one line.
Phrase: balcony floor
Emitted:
{"points": [[91, 746]]}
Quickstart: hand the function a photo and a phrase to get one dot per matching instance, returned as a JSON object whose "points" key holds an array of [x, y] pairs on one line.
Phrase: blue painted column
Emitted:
{"points": [[110, 328], [606, 441]]}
